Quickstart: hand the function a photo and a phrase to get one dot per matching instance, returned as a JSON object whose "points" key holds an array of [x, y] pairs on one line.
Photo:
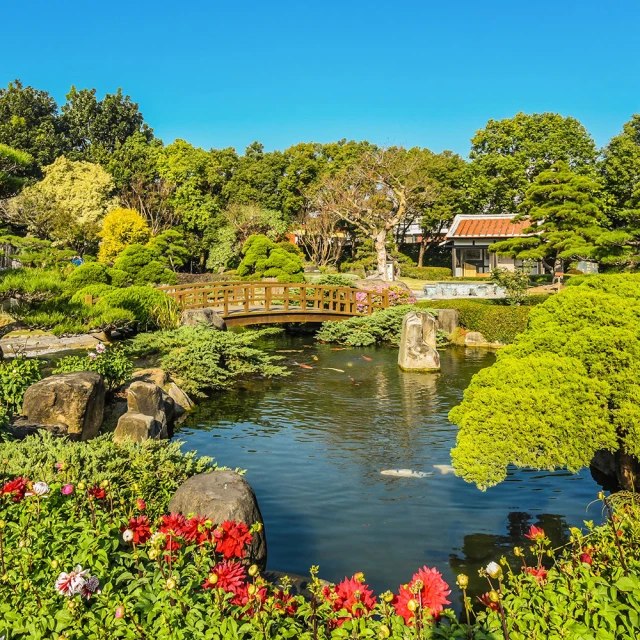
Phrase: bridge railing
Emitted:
{"points": [[273, 297]]}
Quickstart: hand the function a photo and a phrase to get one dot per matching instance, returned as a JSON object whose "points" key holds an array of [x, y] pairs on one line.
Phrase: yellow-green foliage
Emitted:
{"points": [[567, 387], [263, 258], [68, 204], [121, 228]]}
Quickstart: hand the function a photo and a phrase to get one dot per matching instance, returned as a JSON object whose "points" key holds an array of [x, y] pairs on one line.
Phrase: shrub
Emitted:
{"points": [[170, 248], [148, 305], [425, 273], [16, 377], [263, 258], [363, 331], [496, 322], [204, 359], [119, 278], [515, 283], [357, 267], [111, 362], [93, 290], [121, 228], [140, 265], [86, 274], [333, 280], [30, 285]]}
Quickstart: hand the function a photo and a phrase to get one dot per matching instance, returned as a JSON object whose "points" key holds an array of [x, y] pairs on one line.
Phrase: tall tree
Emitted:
{"points": [[566, 219], [14, 169], [29, 122], [507, 155], [378, 193]]}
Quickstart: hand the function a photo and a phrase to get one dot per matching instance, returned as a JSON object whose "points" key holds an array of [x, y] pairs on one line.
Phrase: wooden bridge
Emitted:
{"points": [[243, 303]]}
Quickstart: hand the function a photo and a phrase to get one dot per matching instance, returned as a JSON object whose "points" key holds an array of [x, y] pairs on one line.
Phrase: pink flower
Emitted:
{"points": [[92, 355], [119, 613], [70, 584], [431, 593], [535, 533], [60, 466], [141, 504], [67, 490], [100, 348]]}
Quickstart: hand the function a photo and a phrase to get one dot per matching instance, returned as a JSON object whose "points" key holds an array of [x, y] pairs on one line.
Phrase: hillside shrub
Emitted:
{"points": [[425, 273], [496, 322], [30, 285], [16, 377], [119, 278], [263, 258], [86, 274], [363, 331], [142, 267], [148, 305], [170, 248], [93, 290], [111, 362]]}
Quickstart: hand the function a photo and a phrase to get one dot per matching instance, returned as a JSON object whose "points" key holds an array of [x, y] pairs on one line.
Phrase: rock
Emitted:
{"points": [[73, 399], [112, 412], [181, 400], [149, 399], [368, 284], [447, 320], [418, 343], [208, 317], [137, 427], [34, 343], [21, 427], [220, 496], [476, 339], [155, 374]]}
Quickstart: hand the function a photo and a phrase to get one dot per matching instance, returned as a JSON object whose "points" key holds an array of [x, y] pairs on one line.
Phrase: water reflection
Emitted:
{"points": [[315, 443]]}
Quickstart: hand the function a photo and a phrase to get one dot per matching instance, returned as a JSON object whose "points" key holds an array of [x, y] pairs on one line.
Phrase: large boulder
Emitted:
{"points": [[447, 320], [137, 427], [150, 411], [154, 374], [477, 339], [182, 402], [220, 496], [207, 317], [75, 400], [418, 343]]}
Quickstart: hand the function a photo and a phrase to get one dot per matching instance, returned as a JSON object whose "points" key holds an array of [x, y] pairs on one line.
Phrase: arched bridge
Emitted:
{"points": [[243, 303]]}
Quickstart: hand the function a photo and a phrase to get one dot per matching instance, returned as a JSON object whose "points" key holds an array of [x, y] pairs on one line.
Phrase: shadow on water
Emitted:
{"points": [[314, 445]]}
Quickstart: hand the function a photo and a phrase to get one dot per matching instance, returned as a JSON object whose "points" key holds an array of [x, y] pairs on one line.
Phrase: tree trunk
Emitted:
{"points": [[421, 252], [381, 252]]}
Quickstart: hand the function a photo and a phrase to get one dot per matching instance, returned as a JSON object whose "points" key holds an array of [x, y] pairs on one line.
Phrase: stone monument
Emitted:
{"points": [[418, 343]]}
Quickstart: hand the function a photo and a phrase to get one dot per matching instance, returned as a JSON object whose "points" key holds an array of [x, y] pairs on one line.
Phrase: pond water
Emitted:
{"points": [[314, 445]]}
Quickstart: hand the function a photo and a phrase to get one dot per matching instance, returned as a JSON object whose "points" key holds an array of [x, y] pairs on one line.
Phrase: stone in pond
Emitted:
{"points": [[418, 343], [207, 317], [73, 399], [137, 427], [220, 496]]}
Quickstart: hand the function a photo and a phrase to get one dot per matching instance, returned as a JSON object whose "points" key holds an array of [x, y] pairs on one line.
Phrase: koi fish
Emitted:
{"points": [[367, 358], [332, 369], [444, 469], [289, 351], [353, 380], [305, 366], [315, 358], [337, 349], [405, 473]]}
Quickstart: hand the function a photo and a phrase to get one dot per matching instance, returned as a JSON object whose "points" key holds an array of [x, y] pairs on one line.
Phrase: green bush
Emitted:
{"points": [[93, 290], [30, 285], [86, 274], [202, 359], [425, 273], [333, 280], [140, 265], [146, 303], [363, 331], [111, 362], [496, 322], [119, 278], [263, 258], [16, 377]]}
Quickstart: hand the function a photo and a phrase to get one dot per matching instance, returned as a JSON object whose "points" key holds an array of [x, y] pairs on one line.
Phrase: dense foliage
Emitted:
{"points": [[425, 273], [202, 359], [566, 388], [263, 258], [16, 377]]}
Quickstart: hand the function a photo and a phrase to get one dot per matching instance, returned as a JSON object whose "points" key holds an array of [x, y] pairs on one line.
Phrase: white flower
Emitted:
{"points": [[100, 348], [70, 584], [40, 488], [92, 355], [494, 570], [127, 535]]}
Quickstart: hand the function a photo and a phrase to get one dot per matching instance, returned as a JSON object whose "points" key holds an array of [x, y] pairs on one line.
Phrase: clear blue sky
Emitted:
{"points": [[413, 72]]}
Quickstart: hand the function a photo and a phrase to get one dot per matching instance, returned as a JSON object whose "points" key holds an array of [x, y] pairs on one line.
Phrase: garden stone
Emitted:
{"points": [[447, 320], [73, 399], [21, 427], [476, 339], [149, 399], [369, 284], [182, 401], [220, 496], [418, 343], [155, 374], [137, 427], [207, 317]]}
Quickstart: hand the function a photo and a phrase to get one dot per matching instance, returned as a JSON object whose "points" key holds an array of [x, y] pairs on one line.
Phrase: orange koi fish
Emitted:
{"points": [[367, 358]]}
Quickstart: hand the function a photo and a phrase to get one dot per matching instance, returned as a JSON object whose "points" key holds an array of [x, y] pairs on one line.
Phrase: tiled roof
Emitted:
{"points": [[483, 226]]}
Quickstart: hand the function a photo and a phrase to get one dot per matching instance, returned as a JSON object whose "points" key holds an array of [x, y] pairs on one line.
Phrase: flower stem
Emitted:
{"points": [[616, 536]]}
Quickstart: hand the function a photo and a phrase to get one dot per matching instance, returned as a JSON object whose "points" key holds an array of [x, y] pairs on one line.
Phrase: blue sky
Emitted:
{"points": [[397, 72]]}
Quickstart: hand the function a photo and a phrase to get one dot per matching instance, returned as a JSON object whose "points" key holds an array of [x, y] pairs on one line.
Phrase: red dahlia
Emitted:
{"points": [[487, 602], [354, 596], [535, 533], [539, 574], [229, 576], [232, 539], [432, 595], [172, 524], [285, 602], [140, 527], [98, 493], [15, 488], [196, 530]]}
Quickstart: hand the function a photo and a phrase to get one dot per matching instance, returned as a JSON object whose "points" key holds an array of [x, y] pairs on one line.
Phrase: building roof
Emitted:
{"points": [[486, 226]]}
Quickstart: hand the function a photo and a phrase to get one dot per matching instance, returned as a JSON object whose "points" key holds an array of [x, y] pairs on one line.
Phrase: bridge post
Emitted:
{"points": [[267, 297]]}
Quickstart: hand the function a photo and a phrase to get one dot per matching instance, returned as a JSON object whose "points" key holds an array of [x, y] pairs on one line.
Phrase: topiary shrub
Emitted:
{"points": [[85, 274], [30, 285], [145, 303], [121, 228], [263, 258], [119, 278], [140, 265], [425, 273], [93, 290], [333, 280]]}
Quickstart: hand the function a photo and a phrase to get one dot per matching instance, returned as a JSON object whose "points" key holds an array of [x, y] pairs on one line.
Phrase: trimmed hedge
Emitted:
{"points": [[496, 322], [425, 273]]}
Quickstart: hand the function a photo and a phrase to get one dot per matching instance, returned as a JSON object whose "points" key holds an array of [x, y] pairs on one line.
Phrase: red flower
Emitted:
{"points": [[539, 574], [232, 538], [242, 596], [173, 524], [486, 601], [354, 596], [97, 493], [196, 530], [141, 504], [15, 488], [171, 544], [585, 557], [140, 527], [285, 602], [229, 576], [535, 533], [432, 596]]}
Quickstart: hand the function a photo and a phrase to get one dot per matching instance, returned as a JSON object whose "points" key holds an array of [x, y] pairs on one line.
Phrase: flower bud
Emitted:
{"points": [[153, 554], [213, 578], [71, 604], [462, 581], [54, 564], [81, 486], [2, 524], [251, 589], [104, 484], [494, 570], [127, 535], [383, 631], [171, 584], [494, 596], [25, 585], [253, 570], [601, 495], [412, 605], [359, 577], [518, 552]]}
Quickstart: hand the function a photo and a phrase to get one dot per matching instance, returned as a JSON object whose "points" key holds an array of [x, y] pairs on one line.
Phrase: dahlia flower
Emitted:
{"points": [[100, 348], [350, 594], [494, 570], [127, 535], [538, 574], [487, 602], [91, 586], [140, 529], [229, 576], [172, 524], [141, 504], [98, 493], [285, 602], [535, 533], [70, 584], [67, 490], [40, 488], [232, 539], [196, 530], [15, 488], [427, 588]]}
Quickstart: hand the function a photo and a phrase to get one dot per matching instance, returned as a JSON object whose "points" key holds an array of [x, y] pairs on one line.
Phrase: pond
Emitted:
{"points": [[314, 445]]}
